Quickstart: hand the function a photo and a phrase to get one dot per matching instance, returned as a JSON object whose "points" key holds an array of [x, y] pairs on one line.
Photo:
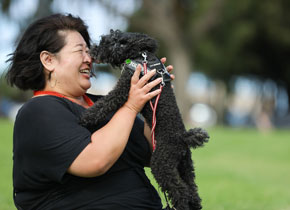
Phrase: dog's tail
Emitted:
{"points": [[196, 137]]}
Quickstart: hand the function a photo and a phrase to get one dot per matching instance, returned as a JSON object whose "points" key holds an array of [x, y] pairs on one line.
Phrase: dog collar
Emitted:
{"points": [[153, 63]]}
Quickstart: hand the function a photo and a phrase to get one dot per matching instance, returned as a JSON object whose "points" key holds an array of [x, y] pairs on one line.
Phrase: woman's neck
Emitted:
{"points": [[66, 93]]}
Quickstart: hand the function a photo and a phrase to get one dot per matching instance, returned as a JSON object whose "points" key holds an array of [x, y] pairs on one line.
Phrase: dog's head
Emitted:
{"points": [[128, 49]]}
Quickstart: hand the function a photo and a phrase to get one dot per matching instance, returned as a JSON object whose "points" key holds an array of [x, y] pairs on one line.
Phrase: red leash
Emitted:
{"points": [[154, 108]]}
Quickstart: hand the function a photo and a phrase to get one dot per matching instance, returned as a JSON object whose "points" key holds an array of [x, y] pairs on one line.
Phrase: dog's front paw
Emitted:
{"points": [[94, 115]]}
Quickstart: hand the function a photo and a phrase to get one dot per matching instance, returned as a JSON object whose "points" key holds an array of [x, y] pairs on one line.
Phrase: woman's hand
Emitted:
{"points": [[169, 68], [139, 92]]}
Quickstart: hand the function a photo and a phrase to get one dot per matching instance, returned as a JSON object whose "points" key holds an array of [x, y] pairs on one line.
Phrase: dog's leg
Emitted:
{"points": [[187, 173], [174, 180], [195, 137], [107, 104], [164, 165]]}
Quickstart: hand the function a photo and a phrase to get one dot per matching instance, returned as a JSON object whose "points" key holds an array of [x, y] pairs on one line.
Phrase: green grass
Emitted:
{"points": [[239, 169], [243, 169], [6, 129]]}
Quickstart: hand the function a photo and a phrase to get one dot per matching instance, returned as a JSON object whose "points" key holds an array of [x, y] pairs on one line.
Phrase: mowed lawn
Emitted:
{"points": [[239, 169]]}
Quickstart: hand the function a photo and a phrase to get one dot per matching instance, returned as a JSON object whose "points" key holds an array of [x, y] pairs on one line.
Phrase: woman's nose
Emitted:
{"points": [[87, 58]]}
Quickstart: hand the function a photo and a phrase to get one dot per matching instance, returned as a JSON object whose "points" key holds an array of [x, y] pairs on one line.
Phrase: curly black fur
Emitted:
{"points": [[116, 47], [171, 162]]}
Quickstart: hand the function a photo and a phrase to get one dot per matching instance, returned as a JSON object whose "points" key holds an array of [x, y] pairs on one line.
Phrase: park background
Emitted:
{"points": [[232, 68]]}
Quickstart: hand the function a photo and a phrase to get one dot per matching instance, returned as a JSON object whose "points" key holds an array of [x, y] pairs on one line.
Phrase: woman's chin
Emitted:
{"points": [[86, 86]]}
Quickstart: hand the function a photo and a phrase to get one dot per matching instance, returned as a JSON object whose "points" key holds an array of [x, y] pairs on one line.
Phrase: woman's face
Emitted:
{"points": [[73, 65]]}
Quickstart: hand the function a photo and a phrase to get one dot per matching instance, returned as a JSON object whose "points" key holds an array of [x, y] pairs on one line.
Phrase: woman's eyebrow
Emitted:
{"points": [[81, 45]]}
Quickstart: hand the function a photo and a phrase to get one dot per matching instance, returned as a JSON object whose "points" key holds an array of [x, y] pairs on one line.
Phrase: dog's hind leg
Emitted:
{"points": [[186, 171], [164, 166]]}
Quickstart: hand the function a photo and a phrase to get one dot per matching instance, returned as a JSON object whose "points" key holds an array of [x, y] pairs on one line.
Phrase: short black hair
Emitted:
{"points": [[26, 70]]}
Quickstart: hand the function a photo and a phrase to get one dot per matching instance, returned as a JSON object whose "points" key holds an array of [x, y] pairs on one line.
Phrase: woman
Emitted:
{"points": [[57, 163]]}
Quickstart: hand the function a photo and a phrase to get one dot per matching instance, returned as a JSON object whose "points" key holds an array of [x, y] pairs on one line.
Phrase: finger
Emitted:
{"points": [[152, 84], [163, 60], [169, 68], [172, 76], [146, 77], [152, 94], [135, 77]]}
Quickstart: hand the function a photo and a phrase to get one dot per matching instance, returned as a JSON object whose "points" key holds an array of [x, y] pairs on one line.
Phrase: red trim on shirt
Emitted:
{"points": [[39, 92]]}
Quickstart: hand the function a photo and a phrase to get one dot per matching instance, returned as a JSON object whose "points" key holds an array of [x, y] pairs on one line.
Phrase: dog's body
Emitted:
{"points": [[171, 162]]}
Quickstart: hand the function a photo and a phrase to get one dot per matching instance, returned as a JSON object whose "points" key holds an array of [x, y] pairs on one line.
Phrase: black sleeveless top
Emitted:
{"points": [[47, 138]]}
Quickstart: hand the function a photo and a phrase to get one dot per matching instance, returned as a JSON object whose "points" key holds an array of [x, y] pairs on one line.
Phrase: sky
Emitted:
{"points": [[96, 17]]}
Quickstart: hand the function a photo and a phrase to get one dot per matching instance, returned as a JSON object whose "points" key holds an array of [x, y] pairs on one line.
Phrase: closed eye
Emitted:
{"points": [[81, 51]]}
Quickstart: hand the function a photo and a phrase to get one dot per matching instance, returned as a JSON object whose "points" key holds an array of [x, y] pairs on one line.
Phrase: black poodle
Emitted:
{"points": [[171, 162]]}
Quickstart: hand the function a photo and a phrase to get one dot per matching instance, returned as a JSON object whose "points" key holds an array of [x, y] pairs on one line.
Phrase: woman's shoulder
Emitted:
{"points": [[43, 105], [41, 102]]}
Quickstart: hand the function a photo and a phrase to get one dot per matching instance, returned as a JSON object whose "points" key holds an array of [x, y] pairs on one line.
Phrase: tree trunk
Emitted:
{"points": [[182, 68], [288, 93], [160, 22]]}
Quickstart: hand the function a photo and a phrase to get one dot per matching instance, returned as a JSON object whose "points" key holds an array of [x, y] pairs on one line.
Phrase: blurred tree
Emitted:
{"points": [[221, 37], [172, 22], [12, 93], [166, 20], [43, 9], [250, 37]]}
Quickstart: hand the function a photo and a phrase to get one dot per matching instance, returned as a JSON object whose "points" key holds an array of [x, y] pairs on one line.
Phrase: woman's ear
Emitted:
{"points": [[48, 60]]}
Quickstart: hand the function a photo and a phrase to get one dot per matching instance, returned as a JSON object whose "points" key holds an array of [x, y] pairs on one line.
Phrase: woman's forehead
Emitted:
{"points": [[75, 39]]}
